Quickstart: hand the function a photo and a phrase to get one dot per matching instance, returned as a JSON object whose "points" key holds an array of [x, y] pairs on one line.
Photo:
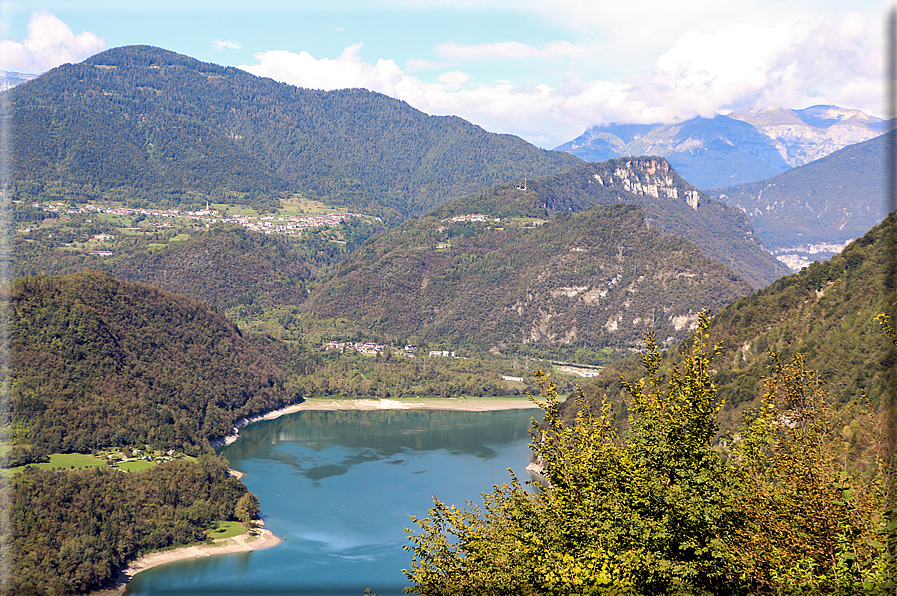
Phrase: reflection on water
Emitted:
{"points": [[339, 486]]}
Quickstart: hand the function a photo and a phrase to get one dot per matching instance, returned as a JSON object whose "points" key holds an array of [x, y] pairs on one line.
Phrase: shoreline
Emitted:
{"points": [[452, 404], [238, 544]]}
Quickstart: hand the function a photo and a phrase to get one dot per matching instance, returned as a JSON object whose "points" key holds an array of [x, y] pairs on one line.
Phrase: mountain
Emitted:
{"points": [[737, 148], [812, 211], [706, 152], [671, 204], [587, 259], [144, 125], [96, 362], [9, 79], [802, 136], [825, 312], [224, 266], [592, 279]]}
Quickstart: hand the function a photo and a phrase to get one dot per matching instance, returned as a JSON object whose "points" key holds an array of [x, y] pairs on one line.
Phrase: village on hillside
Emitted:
{"points": [[265, 224]]}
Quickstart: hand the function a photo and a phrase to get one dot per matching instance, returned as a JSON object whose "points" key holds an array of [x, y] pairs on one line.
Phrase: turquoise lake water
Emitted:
{"points": [[338, 487]]}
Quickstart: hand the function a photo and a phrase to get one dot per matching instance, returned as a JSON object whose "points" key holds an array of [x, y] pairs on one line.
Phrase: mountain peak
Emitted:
{"points": [[148, 56]]}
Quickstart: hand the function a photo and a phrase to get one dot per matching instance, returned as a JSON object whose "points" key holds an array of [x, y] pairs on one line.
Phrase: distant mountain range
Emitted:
{"points": [[737, 148], [9, 79], [142, 124]]}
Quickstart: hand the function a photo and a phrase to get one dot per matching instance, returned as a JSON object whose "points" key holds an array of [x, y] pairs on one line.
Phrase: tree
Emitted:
{"points": [[644, 512], [247, 509], [660, 509], [812, 522]]}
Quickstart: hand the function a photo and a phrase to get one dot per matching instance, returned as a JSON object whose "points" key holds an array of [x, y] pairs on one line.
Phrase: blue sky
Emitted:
{"points": [[542, 70]]}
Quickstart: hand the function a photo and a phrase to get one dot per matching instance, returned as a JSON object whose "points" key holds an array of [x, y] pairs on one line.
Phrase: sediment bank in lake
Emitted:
{"points": [[242, 543]]}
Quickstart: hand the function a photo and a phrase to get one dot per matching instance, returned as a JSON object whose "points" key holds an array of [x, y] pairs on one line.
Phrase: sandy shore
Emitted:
{"points": [[460, 404], [242, 543]]}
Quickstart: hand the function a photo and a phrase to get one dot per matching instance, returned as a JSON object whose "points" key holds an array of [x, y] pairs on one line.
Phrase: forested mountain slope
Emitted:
{"points": [[224, 265], [71, 531], [825, 312], [96, 362], [831, 200], [588, 279], [143, 123], [671, 204]]}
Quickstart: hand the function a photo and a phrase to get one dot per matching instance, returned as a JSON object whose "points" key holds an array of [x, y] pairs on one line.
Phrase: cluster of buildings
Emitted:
{"points": [[471, 218], [290, 223], [365, 348], [374, 348], [268, 224]]}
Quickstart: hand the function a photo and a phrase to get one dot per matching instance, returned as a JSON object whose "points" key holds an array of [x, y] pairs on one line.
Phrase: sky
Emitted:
{"points": [[542, 70]]}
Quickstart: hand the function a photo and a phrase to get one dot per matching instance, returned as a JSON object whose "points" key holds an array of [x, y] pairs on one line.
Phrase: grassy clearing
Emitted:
{"points": [[303, 206], [227, 529], [135, 466], [63, 461], [233, 209]]}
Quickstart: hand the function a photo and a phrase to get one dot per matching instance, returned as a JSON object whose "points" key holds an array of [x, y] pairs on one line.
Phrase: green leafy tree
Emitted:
{"points": [[247, 508], [660, 510], [812, 524], [642, 513]]}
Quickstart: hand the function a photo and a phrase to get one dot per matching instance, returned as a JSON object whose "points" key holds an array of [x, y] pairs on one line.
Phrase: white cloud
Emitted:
{"points": [[740, 65], [346, 71], [454, 79], [50, 43], [221, 44]]}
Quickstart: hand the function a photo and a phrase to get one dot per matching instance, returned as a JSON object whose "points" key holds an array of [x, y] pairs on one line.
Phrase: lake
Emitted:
{"points": [[338, 486]]}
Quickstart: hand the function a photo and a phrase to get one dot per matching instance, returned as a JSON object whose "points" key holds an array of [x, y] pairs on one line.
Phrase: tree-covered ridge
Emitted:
{"points": [[671, 205], [830, 200], [599, 277], [144, 122], [826, 312], [97, 362], [222, 263], [70, 532]]}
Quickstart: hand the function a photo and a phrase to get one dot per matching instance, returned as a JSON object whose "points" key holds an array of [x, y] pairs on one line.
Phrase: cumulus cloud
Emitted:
{"points": [[50, 43], [221, 44], [740, 65]]}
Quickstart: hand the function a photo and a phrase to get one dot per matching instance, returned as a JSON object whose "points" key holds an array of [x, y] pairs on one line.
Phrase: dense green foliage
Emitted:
{"points": [[70, 532], [721, 232], [389, 376], [225, 265], [658, 510], [97, 362], [146, 125], [833, 199], [595, 278], [825, 312]]}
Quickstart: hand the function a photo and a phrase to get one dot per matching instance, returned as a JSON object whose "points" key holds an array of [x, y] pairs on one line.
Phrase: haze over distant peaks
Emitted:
{"points": [[736, 148], [9, 79]]}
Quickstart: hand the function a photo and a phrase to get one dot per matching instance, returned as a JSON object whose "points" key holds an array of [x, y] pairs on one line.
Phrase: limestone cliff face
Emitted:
{"points": [[802, 136], [649, 176]]}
